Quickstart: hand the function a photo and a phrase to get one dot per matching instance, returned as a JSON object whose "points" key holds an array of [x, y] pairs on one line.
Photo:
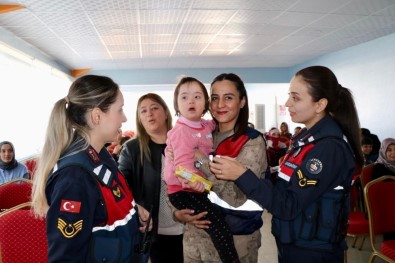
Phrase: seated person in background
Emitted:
{"points": [[376, 142], [276, 148], [367, 148], [115, 147], [10, 168], [110, 147], [118, 148], [285, 131], [385, 164]]}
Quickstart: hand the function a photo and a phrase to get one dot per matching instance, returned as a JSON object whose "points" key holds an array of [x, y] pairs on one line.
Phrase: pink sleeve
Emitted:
{"points": [[176, 141]]}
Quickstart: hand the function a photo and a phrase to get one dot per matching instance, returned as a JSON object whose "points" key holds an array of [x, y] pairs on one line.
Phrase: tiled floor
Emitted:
{"points": [[268, 250]]}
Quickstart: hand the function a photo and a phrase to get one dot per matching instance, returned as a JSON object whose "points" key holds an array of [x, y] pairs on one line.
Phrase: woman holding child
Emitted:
{"points": [[232, 137]]}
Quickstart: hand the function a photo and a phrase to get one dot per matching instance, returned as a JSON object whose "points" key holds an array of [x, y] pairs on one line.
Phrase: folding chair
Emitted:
{"points": [[358, 223], [22, 236], [380, 199], [31, 166], [15, 192]]}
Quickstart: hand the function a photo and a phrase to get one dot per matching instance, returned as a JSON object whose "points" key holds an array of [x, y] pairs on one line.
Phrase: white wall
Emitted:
{"points": [[27, 96], [271, 95]]}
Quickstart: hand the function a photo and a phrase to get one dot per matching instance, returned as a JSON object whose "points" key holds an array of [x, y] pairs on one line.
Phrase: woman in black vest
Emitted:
{"points": [[141, 162]]}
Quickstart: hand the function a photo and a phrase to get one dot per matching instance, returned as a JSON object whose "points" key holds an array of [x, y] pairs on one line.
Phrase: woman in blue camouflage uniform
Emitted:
{"points": [[90, 212], [310, 201]]}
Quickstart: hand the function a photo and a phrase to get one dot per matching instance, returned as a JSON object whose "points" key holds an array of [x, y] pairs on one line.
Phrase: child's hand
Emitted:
{"points": [[195, 186]]}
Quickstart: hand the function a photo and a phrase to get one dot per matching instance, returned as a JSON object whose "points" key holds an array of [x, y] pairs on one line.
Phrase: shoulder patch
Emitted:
{"points": [[314, 166], [69, 230], [70, 206]]}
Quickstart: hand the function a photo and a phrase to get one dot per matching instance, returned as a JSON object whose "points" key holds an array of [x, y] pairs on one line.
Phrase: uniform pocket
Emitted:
{"points": [[308, 224], [331, 206], [106, 249]]}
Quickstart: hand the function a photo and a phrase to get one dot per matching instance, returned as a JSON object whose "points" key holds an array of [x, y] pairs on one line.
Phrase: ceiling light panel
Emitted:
{"points": [[120, 40], [365, 7], [159, 29], [104, 5], [164, 4], [113, 17], [123, 55], [61, 18], [243, 4], [189, 38], [123, 48], [69, 31], [201, 28], [52, 5], [254, 17], [245, 29], [209, 16], [336, 20], [161, 16], [108, 30], [296, 19], [160, 39], [318, 6]]}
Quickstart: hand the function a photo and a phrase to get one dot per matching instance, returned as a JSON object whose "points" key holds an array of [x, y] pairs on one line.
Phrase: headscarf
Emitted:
{"points": [[382, 154], [11, 164]]}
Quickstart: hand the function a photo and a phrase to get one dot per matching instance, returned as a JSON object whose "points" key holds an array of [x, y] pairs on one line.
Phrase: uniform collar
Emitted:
{"points": [[326, 127]]}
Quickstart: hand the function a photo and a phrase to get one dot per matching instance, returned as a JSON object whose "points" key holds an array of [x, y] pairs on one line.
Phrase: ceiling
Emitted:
{"points": [[146, 34]]}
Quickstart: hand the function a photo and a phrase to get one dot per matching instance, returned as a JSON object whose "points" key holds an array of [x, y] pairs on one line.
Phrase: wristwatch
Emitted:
{"points": [[199, 162]]}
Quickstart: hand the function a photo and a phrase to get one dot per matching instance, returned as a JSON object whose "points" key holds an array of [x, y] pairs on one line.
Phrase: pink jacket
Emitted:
{"points": [[183, 139]]}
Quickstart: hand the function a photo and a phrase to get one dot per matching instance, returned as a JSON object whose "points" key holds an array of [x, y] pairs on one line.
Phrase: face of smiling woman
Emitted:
{"points": [[301, 106], [225, 104]]}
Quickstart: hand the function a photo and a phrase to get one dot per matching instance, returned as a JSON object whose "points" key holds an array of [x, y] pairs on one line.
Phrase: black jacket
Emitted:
{"points": [[379, 170], [144, 179]]}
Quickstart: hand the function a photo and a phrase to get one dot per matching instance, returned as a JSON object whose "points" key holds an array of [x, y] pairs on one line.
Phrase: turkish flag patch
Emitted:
{"points": [[70, 206]]}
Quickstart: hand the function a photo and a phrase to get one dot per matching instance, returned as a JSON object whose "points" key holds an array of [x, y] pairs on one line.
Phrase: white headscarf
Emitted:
{"points": [[382, 154]]}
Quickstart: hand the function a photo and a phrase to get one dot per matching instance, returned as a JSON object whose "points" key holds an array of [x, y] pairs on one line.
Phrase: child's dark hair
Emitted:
{"points": [[183, 81], [366, 141]]}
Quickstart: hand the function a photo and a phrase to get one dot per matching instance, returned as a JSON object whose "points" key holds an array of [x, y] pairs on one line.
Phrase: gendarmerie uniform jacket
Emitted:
{"points": [[319, 166], [91, 216]]}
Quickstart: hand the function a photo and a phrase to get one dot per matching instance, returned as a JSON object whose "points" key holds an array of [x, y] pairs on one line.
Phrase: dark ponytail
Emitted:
{"points": [[341, 106]]}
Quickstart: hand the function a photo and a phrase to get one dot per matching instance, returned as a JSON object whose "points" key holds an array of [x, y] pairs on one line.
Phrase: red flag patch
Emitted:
{"points": [[70, 206]]}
